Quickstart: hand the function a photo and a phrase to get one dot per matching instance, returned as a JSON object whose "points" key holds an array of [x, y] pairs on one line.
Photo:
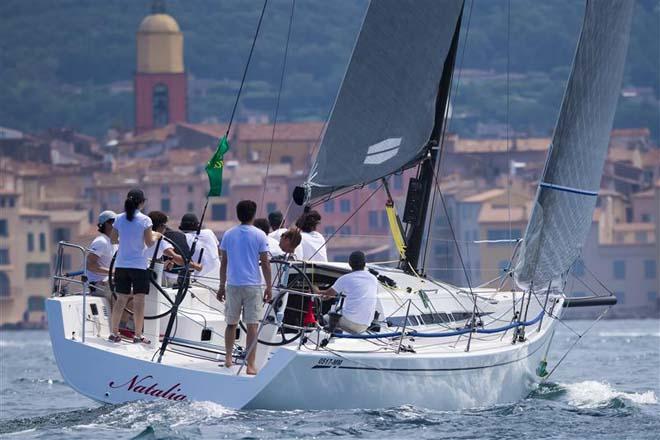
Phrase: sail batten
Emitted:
{"points": [[385, 112], [566, 197]]}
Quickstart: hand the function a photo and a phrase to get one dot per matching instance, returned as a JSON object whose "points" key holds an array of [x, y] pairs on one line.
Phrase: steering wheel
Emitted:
{"points": [[152, 277], [284, 338]]}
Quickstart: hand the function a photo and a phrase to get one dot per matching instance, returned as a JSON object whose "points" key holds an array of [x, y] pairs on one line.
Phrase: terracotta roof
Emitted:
{"points": [[156, 135], [292, 131], [180, 156], [500, 145], [517, 214], [633, 227], [651, 158], [631, 132], [214, 130], [484, 196]]}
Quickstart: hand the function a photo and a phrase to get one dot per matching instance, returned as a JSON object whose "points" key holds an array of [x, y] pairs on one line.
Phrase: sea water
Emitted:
{"points": [[607, 388]]}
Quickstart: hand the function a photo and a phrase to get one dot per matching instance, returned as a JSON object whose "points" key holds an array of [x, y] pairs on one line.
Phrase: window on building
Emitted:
{"points": [[398, 181], [5, 286], [66, 261], [641, 237], [345, 205], [620, 297], [646, 218], [650, 269], [219, 212], [164, 189], [62, 234], [190, 207], [384, 222], [4, 256], [329, 206], [328, 230], [226, 187], [37, 270], [4, 228], [36, 304], [113, 198], [373, 219], [42, 242], [271, 207], [191, 189], [30, 242], [578, 268], [165, 205], [346, 230], [652, 297], [2, 202], [619, 269], [12, 202], [161, 105], [286, 159]]}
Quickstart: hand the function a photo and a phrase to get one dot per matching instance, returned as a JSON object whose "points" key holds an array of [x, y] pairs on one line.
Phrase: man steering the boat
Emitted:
{"points": [[359, 288]]}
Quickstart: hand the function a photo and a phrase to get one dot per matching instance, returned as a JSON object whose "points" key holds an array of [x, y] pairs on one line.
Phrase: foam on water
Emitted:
{"points": [[592, 394], [629, 334]]}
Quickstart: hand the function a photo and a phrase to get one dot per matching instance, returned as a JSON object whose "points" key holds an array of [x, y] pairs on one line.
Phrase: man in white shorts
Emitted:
{"points": [[360, 289], [243, 249]]}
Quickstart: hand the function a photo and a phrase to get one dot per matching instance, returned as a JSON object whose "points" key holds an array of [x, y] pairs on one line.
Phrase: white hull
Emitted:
{"points": [[295, 378]]}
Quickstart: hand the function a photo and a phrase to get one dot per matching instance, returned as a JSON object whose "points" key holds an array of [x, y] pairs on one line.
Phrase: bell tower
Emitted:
{"points": [[160, 77]]}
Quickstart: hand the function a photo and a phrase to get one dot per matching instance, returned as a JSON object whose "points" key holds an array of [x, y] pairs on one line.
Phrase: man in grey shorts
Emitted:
{"points": [[244, 249]]}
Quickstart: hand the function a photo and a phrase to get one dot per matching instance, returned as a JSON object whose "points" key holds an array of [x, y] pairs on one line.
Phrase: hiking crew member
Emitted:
{"points": [[131, 274], [206, 241], [243, 249], [360, 289], [100, 256], [313, 243]]}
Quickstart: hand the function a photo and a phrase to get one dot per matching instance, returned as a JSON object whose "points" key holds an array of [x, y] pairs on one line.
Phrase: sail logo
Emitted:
{"points": [[149, 387], [382, 151]]}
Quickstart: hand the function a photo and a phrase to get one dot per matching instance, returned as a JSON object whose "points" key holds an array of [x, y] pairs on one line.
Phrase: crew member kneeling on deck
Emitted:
{"points": [[131, 274], [243, 248], [359, 288]]}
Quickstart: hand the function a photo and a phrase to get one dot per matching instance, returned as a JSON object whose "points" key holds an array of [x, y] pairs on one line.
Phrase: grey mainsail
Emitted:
{"points": [[385, 111], [566, 196]]}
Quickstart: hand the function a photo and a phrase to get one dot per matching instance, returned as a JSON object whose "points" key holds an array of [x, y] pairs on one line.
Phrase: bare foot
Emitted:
{"points": [[229, 363], [251, 371]]}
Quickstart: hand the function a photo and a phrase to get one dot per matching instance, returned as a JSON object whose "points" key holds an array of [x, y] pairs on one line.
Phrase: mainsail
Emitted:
{"points": [[385, 111], [568, 189]]}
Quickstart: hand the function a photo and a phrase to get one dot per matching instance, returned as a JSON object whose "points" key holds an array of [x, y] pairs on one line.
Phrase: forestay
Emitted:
{"points": [[567, 193], [386, 108]]}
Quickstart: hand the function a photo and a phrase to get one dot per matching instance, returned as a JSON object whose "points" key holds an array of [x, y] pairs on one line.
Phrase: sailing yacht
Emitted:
{"points": [[431, 344]]}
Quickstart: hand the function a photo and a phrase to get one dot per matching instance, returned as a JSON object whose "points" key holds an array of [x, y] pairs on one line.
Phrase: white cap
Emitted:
{"points": [[106, 215]]}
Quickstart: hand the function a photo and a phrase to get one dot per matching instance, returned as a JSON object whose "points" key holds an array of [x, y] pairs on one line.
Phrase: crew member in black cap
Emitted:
{"points": [[360, 289]]}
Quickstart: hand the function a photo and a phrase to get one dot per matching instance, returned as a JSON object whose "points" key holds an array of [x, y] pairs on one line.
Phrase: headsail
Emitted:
{"points": [[566, 196], [386, 108]]}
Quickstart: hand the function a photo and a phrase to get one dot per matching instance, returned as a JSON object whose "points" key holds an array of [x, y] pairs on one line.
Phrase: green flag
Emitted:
{"points": [[215, 166]]}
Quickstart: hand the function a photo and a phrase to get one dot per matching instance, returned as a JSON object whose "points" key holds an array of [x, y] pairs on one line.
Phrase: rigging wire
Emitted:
{"points": [[277, 104], [508, 117], [247, 65]]}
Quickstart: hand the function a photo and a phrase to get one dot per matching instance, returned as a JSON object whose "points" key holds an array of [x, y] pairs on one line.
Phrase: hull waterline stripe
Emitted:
{"points": [[342, 367], [568, 189]]}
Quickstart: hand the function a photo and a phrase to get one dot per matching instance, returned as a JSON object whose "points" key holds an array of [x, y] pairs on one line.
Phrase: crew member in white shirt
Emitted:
{"points": [[133, 229], [208, 242], [165, 249], [243, 249], [313, 243], [99, 256], [360, 289], [276, 221]]}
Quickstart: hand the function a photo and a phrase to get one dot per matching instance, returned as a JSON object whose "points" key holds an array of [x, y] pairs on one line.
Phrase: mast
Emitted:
{"points": [[419, 189]]}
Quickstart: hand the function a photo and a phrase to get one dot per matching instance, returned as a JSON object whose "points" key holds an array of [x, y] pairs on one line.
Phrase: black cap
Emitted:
{"points": [[357, 260], [136, 195], [189, 222]]}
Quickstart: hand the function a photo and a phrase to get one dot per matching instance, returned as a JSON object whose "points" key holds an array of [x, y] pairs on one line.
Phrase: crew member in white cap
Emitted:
{"points": [[100, 255]]}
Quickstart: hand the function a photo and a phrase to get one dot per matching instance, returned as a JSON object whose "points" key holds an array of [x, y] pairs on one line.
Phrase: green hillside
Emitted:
{"points": [[58, 60]]}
